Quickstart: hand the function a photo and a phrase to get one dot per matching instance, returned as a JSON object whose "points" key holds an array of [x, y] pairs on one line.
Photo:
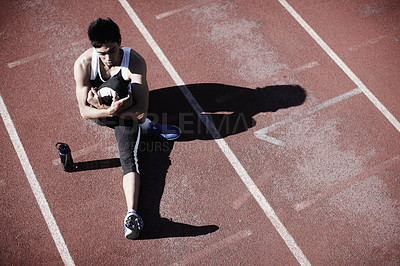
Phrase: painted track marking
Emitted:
{"points": [[342, 65], [43, 54], [173, 12], [262, 133], [251, 186], [179, 10], [244, 196], [35, 186], [345, 184], [290, 72], [367, 43]]}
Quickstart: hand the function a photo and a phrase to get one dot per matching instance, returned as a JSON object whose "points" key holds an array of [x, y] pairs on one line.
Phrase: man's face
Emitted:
{"points": [[109, 53]]}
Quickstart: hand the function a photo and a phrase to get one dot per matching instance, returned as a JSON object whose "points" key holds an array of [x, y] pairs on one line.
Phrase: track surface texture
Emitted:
{"points": [[290, 152]]}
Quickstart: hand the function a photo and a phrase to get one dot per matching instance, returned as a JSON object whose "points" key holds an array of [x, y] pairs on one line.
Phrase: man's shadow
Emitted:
{"points": [[229, 108]]}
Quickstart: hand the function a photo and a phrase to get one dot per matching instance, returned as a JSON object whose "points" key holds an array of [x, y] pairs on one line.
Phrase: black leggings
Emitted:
{"points": [[127, 133]]}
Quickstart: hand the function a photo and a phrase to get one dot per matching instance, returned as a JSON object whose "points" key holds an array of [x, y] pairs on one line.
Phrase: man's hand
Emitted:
{"points": [[117, 106], [94, 100]]}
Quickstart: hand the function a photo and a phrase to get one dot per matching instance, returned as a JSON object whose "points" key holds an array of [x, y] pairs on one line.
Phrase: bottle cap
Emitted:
{"points": [[62, 148]]}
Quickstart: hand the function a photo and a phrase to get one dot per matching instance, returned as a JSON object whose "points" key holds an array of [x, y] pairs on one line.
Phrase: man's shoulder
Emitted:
{"points": [[85, 58], [137, 64], [135, 56]]}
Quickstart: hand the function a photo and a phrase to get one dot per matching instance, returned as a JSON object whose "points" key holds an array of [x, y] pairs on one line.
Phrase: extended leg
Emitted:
{"points": [[131, 185], [128, 138]]}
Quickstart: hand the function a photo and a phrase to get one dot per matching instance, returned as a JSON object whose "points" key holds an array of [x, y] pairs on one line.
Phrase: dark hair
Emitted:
{"points": [[102, 31]]}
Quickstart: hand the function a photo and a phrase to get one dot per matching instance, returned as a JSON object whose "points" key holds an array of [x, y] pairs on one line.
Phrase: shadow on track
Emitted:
{"points": [[155, 161], [230, 108], [97, 164]]}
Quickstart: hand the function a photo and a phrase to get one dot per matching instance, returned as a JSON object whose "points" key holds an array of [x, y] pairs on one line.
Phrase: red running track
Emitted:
{"points": [[328, 166]]}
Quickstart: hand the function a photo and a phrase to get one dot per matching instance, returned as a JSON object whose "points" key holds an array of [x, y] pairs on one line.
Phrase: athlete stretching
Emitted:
{"points": [[127, 116]]}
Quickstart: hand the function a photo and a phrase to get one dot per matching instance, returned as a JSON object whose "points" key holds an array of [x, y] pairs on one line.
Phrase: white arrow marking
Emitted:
{"points": [[262, 133]]}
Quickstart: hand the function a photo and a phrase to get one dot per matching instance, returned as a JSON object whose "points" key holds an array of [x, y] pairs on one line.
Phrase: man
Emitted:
{"points": [[106, 60]]}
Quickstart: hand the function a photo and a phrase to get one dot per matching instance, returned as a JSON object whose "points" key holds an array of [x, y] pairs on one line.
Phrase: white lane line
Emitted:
{"points": [[245, 195], [342, 65], [262, 133], [251, 186], [196, 256], [42, 54], [35, 186]]}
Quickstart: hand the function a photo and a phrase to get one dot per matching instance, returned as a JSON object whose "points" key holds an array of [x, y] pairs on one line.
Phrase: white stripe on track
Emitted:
{"points": [[35, 186], [342, 65], [173, 12], [251, 186], [45, 54]]}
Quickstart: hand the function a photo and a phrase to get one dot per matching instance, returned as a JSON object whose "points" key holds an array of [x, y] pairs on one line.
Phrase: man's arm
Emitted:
{"points": [[82, 79], [140, 91]]}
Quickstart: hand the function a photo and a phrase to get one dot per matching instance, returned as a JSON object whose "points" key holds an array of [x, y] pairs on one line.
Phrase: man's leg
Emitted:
{"points": [[131, 185], [128, 138]]}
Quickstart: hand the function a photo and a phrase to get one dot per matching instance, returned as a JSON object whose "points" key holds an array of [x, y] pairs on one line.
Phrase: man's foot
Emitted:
{"points": [[168, 132], [133, 225]]}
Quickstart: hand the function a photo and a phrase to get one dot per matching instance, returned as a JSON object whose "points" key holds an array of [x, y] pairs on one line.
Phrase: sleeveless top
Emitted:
{"points": [[96, 80]]}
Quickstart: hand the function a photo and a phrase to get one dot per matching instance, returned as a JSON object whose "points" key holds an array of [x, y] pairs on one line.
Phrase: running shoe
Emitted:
{"points": [[168, 132], [133, 225]]}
